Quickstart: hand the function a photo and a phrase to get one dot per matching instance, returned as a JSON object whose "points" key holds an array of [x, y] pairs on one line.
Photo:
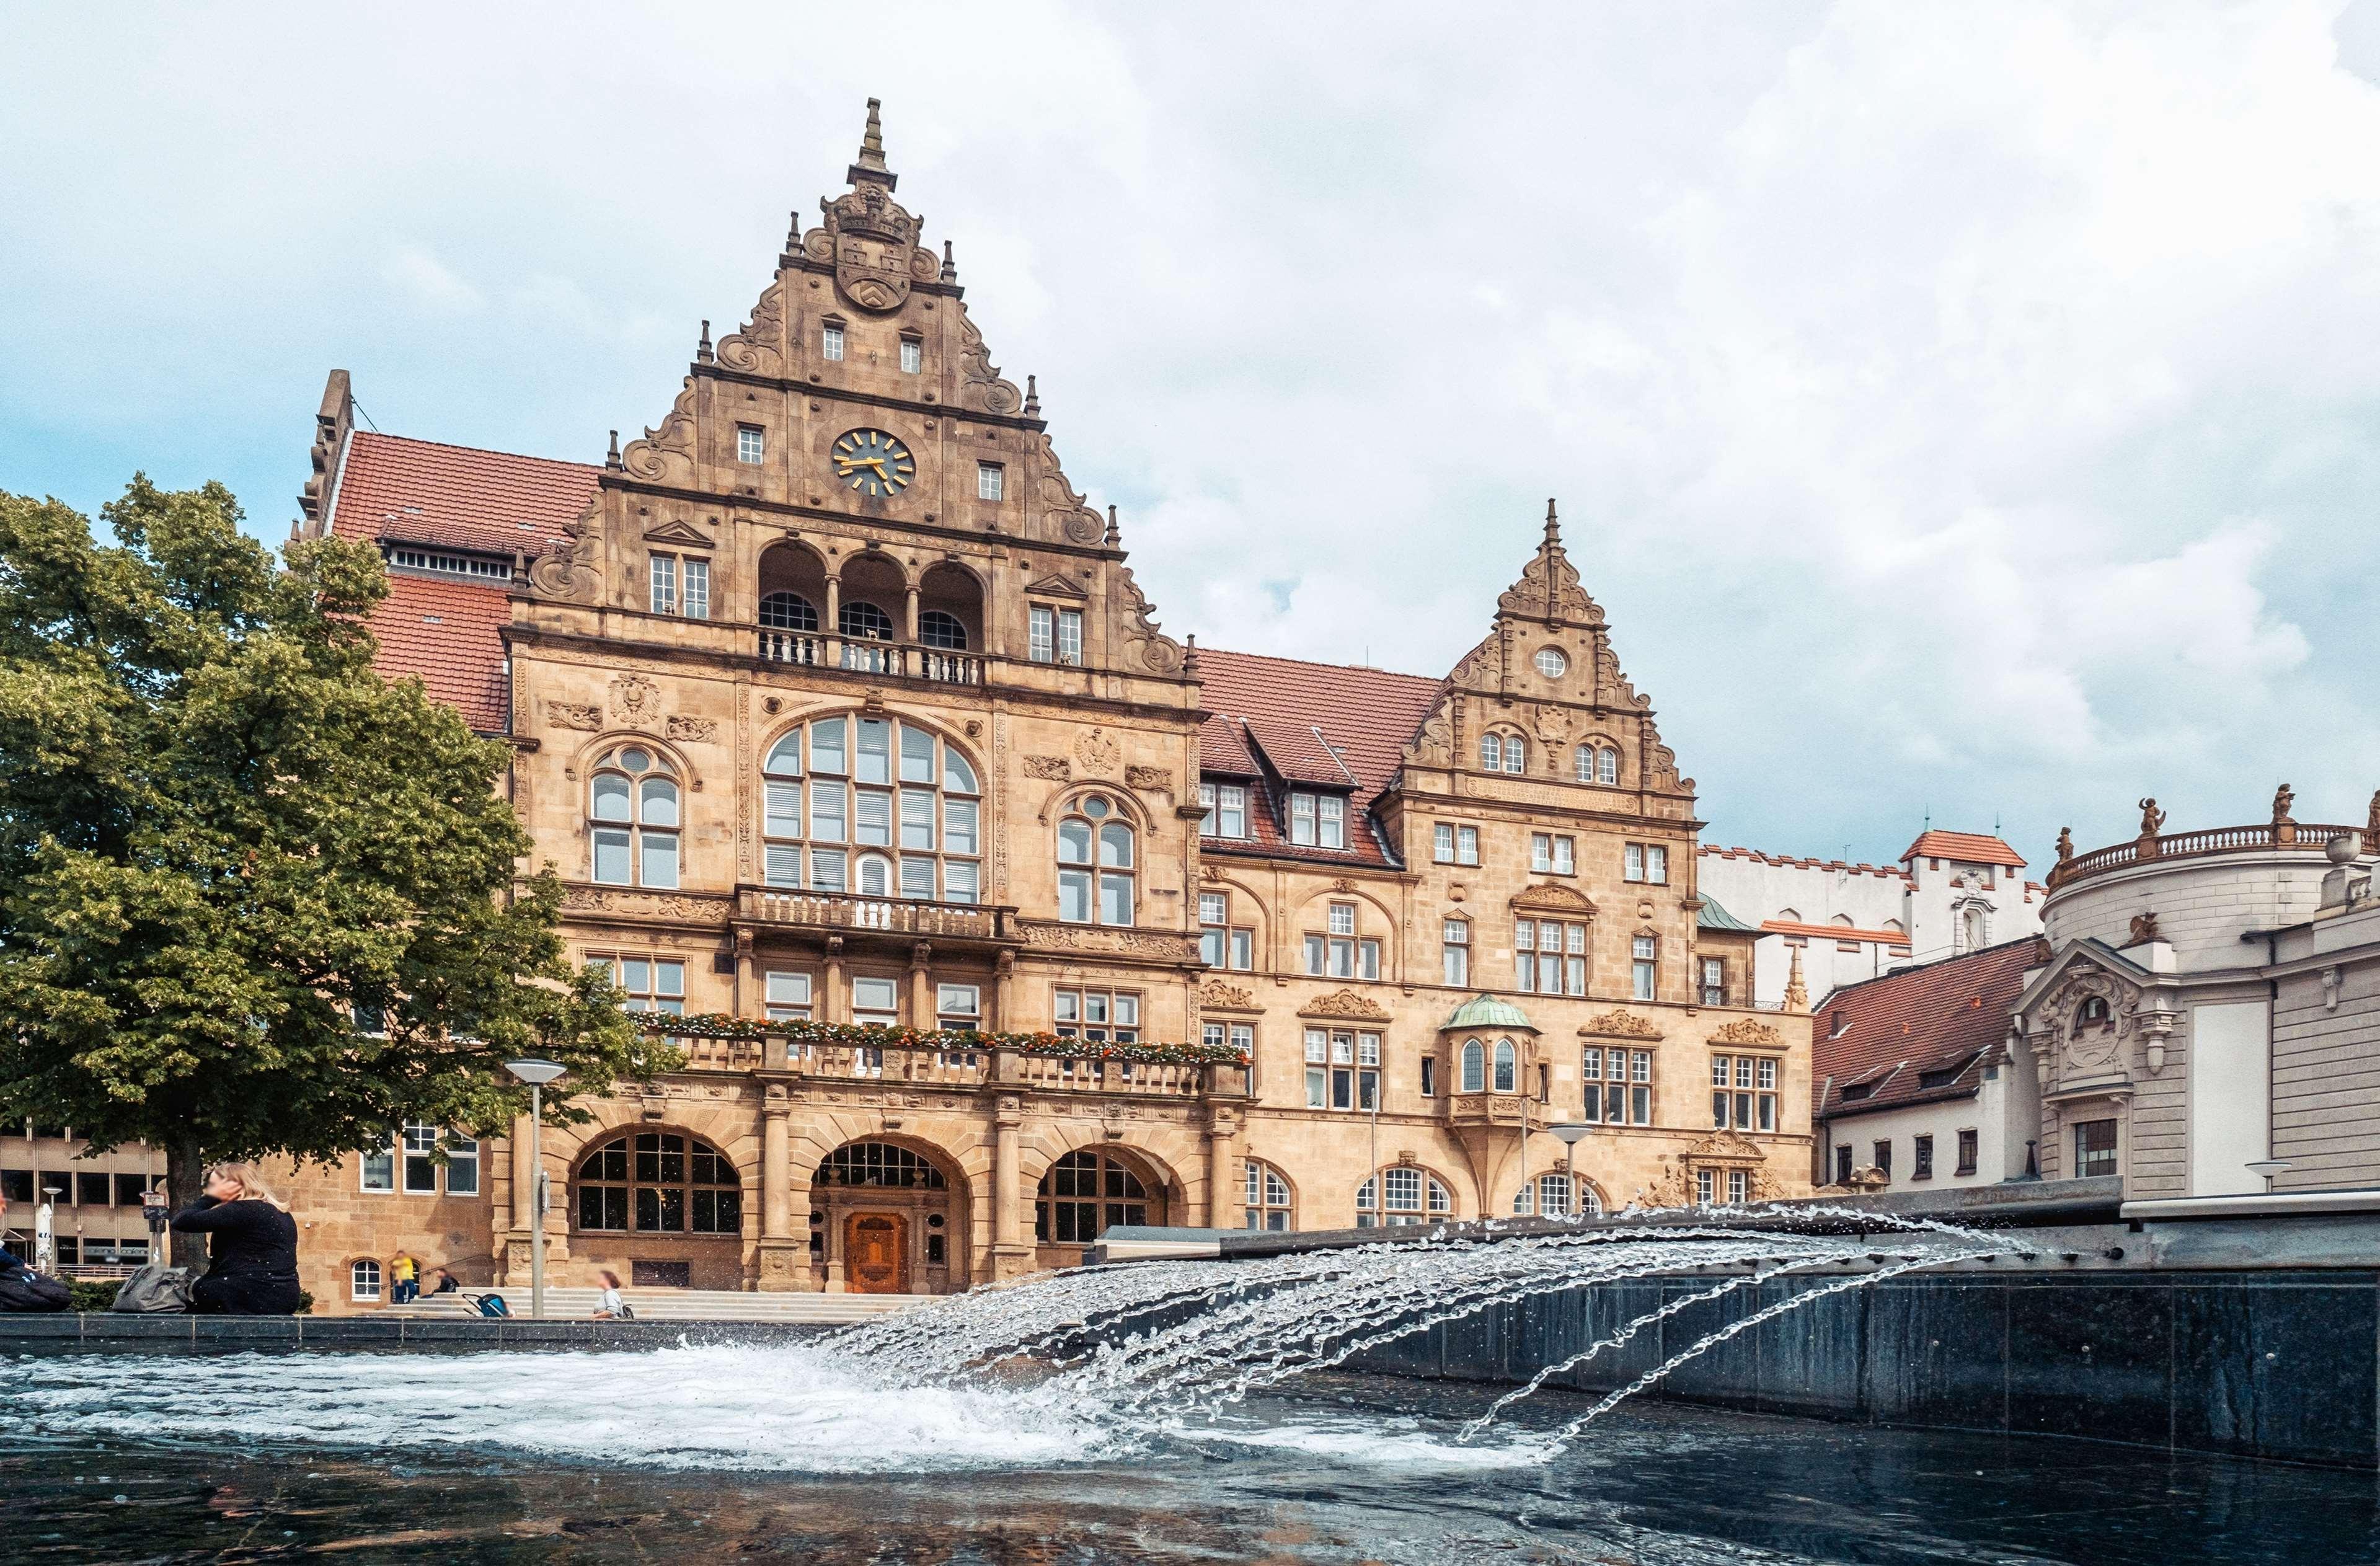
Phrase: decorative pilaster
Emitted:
{"points": [[1012, 1254]]}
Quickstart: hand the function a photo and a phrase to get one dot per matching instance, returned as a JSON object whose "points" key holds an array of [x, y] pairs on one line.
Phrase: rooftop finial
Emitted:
{"points": [[1115, 534], [1032, 398], [1797, 988], [949, 267], [1553, 523], [702, 348], [612, 459], [871, 152]]}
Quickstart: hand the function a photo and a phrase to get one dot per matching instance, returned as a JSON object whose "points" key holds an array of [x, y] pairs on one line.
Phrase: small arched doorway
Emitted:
{"points": [[887, 1220], [1088, 1192]]}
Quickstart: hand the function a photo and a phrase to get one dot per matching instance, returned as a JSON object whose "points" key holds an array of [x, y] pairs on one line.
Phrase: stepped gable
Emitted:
{"points": [[1892, 1031], [1966, 847], [1499, 686], [1283, 721]]}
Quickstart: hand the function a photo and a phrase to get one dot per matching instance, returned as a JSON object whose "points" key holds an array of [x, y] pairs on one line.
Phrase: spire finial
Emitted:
{"points": [[1553, 523], [702, 348], [1032, 398], [1797, 992], [949, 267], [612, 459], [1115, 534], [870, 166]]}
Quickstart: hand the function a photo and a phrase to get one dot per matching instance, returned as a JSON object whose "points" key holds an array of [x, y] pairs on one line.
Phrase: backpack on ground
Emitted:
{"points": [[24, 1289], [155, 1290]]}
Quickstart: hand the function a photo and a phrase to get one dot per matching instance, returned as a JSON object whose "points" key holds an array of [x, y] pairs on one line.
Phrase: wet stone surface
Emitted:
{"points": [[614, 1462]]}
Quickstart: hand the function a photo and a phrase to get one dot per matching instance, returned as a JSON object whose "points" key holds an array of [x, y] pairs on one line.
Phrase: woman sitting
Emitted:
{"points": [[253, 1245]]}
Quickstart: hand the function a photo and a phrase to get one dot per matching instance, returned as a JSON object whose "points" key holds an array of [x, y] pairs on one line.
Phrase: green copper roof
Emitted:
{"points": [[1487, 1011], [1713, 916]]}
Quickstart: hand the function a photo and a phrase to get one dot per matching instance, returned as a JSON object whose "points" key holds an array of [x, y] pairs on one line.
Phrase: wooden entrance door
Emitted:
{"points": [[876, 1252]]}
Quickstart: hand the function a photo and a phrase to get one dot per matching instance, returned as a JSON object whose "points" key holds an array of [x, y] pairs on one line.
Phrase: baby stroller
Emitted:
{"points": [[488, 1305]]}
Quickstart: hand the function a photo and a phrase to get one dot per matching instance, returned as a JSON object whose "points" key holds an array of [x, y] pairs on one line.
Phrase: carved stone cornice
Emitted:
{"points": [[606, 901], [1147, 945]]}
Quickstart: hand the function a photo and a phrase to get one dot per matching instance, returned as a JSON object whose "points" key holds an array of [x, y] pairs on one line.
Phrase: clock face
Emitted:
{"points": [[873, 463]]}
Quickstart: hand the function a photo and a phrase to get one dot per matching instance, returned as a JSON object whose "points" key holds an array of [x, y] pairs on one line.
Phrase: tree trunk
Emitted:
{"points": [[185, 1172]]}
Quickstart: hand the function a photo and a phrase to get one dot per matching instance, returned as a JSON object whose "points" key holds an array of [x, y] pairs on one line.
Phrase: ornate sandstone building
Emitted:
{"points": [[832, 701]]}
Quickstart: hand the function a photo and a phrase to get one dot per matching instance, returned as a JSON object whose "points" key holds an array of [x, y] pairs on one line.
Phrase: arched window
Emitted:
{"points": [[881, 1165], [1084, 1194], [1096, 864], [788, 611], [1970, 929], [1475, 1067], [2094, 1013], [941, 628], [1267, 1196], [1551, 1195], [1607, 765], [363, 1281], [1582, 761], [1396, 1197], [873, 805], [632, 818], [862, 619], [1508, 1066], [658, 1182], [1503, 753]]}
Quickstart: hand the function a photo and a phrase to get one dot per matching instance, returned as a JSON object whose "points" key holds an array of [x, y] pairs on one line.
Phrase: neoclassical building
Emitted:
{"points": [[832, 701]]}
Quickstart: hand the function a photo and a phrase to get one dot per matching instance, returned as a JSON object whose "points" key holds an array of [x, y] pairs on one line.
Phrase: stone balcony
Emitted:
{"points": [[849, 913], [901, 661], [989, 1070]]}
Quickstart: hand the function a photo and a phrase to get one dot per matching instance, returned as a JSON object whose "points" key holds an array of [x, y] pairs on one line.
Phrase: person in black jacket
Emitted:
{"points": [[253, 1245]]}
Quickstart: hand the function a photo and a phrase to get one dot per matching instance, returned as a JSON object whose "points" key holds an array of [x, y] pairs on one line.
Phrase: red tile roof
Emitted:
{"points": [[447, 634], [1320, 723], [1891, 1032], [1967, 847], [392, 489]]}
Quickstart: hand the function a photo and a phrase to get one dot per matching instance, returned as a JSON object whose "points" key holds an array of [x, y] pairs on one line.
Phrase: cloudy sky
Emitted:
{"points": [[1956, 408]]}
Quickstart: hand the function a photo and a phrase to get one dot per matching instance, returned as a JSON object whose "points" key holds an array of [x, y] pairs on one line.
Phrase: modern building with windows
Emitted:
{"points": [[832, 701]]}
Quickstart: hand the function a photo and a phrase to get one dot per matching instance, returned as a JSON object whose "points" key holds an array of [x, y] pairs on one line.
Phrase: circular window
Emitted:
{"points": [[1095, 807], [1552, 664], [635, 761]]}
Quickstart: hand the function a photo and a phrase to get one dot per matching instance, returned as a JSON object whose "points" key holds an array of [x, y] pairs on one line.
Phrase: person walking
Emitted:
{"points": [[253, 1245], [609, 1305], [405, 1274]]}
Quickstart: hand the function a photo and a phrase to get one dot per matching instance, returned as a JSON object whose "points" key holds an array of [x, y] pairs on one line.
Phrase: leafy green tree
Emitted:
{"points": [[254, 898]]}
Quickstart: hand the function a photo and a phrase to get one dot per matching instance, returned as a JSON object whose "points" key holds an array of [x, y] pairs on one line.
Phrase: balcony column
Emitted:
{"points": [[1004, 981], [909, 616], [833, 1004], [921, 994], [744, 988], [832, 622], [1012, 1255], [782, 1259], [1222, 1163]]}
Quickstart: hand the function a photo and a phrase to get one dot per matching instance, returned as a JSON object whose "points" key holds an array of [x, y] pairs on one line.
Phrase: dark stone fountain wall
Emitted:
{"points": [[2275, 1365]]}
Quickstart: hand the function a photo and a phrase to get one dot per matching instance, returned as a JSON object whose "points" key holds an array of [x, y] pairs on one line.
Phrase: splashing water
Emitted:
{"points": [[1090, 1365]]}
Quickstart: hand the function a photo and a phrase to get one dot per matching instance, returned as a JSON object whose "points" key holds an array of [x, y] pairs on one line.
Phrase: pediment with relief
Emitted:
{"points": [[1055, 586], [683, 534], [1620, 1025], [1552, 898], [1348, 1004]]}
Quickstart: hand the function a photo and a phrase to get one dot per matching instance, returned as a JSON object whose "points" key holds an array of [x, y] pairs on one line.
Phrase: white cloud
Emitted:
{"points": [[1952, 405]]}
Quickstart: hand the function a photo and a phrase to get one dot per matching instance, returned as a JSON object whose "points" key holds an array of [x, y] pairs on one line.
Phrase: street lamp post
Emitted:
{"points": [[2268, 1168], [1570, 1133], [537, 1073]]}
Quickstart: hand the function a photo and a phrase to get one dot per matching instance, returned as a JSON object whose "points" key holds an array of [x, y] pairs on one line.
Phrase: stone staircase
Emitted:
{"points": [[676, 1305]]}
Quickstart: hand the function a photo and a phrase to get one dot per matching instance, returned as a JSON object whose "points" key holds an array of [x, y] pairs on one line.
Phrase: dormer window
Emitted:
{"points": [[831, 340], [1318, 820], [1227, 810]]}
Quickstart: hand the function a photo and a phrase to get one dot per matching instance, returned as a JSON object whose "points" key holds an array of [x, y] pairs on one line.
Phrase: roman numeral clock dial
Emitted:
{"points": [[873, 463]]}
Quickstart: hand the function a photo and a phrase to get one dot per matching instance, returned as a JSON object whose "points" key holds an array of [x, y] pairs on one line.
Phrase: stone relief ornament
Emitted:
{"points": [[566, 570], [1745, 1030], [1096, 938], [1053, 768], [1346, 1003], [1553, 724], [574, 715], [636, 701], [1227, 997], [1153, 779], [1098, 753], [875, 249], [700, 731], [758, 349], [1620, 1024]]}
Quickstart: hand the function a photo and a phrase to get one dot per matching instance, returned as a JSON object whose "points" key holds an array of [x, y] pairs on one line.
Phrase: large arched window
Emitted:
{"points": [[788, 611], [1267, 1196], [1508, 1066], [862, 619], [632, 818], [873, 805], [937, 628], [881, 1165], [1096, 864], [1401, 1195], [1086, 1193], [1503, 753], [658, 1182], [1475, 1067], [1556, 1195]]}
